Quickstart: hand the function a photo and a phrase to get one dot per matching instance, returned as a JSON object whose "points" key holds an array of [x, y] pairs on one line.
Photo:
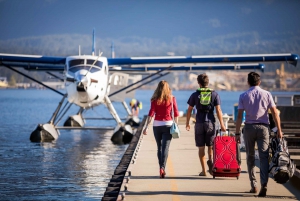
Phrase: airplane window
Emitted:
{"points": [[76, 62], [88, 68], [97, 63]]}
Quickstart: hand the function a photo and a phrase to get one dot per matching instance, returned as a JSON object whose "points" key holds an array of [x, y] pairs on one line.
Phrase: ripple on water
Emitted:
{"points": [[76, 166]]}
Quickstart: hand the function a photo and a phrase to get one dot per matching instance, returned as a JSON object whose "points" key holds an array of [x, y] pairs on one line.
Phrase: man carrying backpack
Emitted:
{"points": [[205, 100], [256, 103]]}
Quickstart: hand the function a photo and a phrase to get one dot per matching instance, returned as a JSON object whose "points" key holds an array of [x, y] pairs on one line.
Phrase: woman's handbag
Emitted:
{"points": [[174, 130]]}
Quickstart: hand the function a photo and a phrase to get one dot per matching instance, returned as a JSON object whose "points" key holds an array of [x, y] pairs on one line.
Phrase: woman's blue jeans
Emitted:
{"points": [[163, 139]]}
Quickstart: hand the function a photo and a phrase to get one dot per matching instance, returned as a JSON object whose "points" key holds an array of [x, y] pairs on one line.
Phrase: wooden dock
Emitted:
{"points": [[142, 182]]}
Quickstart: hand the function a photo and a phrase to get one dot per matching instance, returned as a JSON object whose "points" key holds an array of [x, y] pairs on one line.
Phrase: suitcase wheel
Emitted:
{"points": [[214, 177], [237, 178]]}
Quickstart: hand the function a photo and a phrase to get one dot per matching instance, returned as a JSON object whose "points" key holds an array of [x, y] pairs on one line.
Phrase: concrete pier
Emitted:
{"points": [[182, 181]]}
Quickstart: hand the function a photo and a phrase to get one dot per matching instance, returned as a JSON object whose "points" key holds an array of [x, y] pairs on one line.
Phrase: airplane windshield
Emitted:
{"points": [[74, 69], [76, 62], [97, 63]]}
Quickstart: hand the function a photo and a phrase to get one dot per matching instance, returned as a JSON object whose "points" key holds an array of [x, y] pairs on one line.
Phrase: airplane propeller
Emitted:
{"points": [[70, 79]]}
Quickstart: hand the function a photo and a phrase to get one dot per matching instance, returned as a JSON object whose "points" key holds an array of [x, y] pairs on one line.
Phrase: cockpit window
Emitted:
{"points": [[74, 69], [97, 63], [76, 62]]}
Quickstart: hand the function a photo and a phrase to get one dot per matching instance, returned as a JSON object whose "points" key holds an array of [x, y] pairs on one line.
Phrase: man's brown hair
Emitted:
{"points": [[253, 79], [203, 80]]}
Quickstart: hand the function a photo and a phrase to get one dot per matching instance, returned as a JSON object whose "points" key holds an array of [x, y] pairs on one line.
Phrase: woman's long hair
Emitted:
{"points": [[162, 93]]}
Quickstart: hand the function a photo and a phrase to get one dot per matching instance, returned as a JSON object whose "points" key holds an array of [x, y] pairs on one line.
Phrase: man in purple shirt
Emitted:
{"points": [[256, 103]]}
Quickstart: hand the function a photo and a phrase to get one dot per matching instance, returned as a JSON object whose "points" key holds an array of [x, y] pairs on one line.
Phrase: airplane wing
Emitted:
{"points": [[33, 62], [241, 58], [36, 66], [188, 67], [32, 58], [214, 62]]}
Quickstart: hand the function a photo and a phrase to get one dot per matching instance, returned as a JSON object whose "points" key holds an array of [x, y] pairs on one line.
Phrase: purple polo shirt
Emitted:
{"points": [[256, 103]]}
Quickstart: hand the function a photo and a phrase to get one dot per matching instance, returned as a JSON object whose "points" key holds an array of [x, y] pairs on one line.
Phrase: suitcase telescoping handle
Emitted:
{"points": [[222, 133]]}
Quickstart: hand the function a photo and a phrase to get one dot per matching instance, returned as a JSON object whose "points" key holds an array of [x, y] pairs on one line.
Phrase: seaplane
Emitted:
{"points": [[92, 80]]}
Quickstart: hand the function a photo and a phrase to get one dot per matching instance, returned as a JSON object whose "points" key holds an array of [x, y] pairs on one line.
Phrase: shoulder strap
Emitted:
{"points": [[172, 112], [205, 90]]}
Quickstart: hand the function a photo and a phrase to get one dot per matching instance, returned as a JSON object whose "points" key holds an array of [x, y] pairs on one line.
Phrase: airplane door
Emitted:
{"points": [[117, 82]]}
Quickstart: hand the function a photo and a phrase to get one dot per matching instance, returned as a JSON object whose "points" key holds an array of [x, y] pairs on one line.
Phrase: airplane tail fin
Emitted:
{"points": [[93, 47]]}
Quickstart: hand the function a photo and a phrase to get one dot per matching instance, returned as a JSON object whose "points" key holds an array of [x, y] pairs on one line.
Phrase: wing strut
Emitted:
{"points": [[116, 92], [33, 79], [56, 76]]}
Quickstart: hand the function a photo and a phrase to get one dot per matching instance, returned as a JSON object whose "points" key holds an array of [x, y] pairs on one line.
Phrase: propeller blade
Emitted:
{"points": [[70, 79]]}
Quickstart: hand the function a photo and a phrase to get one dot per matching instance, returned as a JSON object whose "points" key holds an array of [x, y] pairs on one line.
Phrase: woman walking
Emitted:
{"points": [[162, 106]]}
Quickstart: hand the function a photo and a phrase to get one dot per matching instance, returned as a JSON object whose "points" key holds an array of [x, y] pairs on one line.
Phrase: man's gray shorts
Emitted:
{"points": [[205, 134]]}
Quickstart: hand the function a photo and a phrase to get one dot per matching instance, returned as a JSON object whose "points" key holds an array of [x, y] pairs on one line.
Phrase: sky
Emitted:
{"points": [[150, 27]]}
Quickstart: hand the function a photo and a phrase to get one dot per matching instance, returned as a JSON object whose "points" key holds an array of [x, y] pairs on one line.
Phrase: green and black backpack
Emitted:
{"points": [[205, 98]]}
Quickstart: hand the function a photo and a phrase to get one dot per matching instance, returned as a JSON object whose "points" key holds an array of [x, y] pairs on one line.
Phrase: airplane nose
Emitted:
{"points": [[84, 81], [81, 87]]}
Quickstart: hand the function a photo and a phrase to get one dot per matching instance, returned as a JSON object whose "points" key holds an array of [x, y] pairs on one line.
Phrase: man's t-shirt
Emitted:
{"points": [[202, 116]]}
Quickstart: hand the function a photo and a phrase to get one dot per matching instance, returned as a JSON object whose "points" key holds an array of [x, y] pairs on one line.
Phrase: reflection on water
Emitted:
{"points": [[76, 166]]}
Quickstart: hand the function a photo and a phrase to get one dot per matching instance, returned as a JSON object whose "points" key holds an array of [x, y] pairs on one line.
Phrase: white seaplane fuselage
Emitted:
{"points": [[86, 80]]}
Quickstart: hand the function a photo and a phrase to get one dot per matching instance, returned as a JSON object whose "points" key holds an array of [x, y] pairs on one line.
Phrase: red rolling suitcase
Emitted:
{"points": [[227, 157]]}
